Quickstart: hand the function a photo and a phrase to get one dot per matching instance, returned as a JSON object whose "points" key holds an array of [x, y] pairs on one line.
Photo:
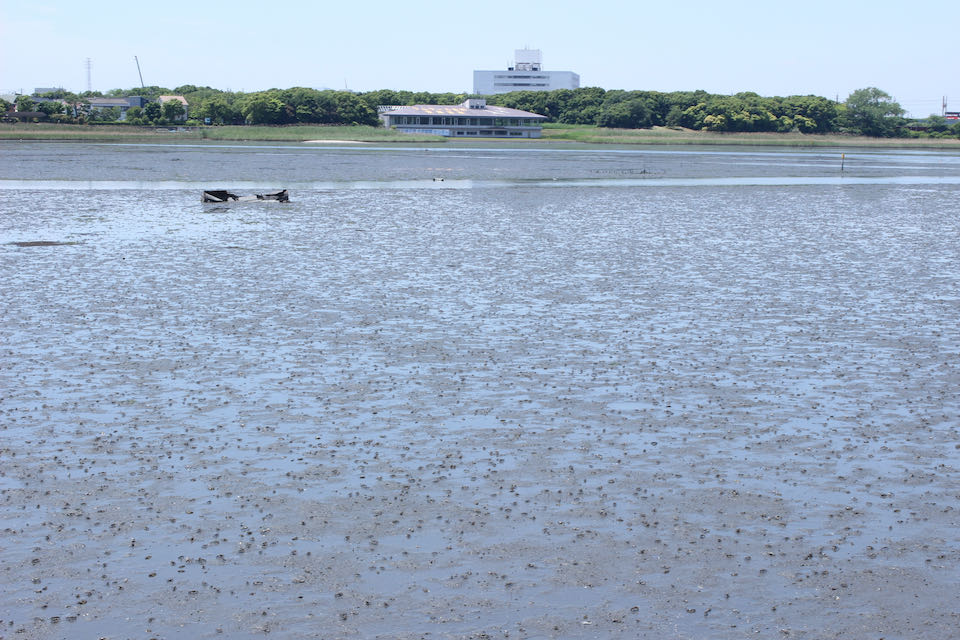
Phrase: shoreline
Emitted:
{"points": [[658, 136], [334, 141]]}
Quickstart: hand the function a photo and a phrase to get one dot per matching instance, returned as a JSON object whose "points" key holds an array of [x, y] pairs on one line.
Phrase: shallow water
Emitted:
{"points": [[562, 392]]}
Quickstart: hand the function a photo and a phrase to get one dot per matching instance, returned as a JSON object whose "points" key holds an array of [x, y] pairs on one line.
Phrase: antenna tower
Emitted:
{"points": [[89, 63]]}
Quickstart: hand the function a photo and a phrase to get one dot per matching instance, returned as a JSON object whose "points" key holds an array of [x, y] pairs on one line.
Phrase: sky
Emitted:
{"points": [[814, 47]]}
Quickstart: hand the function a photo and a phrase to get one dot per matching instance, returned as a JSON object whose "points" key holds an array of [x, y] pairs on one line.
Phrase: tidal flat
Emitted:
{"points": [[533, 392]]}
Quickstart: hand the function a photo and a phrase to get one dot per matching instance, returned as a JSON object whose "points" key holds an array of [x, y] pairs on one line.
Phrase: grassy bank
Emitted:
{"points": [[551, 133], [123, 133], [664, 135], [304, 133]]}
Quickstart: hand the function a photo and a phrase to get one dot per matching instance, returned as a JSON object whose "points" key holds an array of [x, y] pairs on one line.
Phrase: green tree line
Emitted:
{"points": [[870, 111]]}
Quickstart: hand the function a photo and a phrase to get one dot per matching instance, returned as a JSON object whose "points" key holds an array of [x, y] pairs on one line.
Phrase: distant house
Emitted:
{"points": [[165, 99], [473, 118], [100, 104], [121, 104]]}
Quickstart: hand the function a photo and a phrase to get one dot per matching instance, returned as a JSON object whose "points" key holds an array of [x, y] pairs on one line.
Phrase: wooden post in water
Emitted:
{"points": [[843, 157]]}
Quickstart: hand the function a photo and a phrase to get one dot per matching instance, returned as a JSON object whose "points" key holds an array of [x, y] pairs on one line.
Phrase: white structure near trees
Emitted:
{"points": [[526, 74], [474, 117]]}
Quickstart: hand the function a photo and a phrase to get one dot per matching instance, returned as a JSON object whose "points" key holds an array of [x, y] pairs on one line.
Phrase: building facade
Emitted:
{"points": [[471, 119], [121, 104], [526, 74]]}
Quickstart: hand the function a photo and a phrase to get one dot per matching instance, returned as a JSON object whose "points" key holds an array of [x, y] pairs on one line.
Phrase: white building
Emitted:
{"points": [[526, 74], [471, 118]]}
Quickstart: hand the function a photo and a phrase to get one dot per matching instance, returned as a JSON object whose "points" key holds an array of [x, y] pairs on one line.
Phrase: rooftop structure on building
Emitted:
{"points": [[472, 118], [526, 74]]}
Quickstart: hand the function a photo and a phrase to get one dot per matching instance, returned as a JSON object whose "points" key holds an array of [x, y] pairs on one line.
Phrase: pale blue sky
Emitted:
{"points": [[772, 48]]}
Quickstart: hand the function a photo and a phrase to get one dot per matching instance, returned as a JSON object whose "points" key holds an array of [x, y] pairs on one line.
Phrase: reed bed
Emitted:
{"points": [[303, 133], [676, 136], [126, 133], [587, 134]]}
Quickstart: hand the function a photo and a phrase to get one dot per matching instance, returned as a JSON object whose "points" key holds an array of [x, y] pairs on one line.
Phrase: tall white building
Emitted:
{"points": [[526, 74]]}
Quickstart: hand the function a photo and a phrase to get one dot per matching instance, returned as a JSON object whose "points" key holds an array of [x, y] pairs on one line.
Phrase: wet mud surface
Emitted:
{"points": [[493, 409]]}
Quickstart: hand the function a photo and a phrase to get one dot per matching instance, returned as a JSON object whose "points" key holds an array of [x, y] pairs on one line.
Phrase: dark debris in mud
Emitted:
{"points": [[42, 243]]}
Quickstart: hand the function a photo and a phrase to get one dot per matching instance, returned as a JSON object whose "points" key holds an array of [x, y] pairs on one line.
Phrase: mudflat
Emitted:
{"points": [[604, 394]]}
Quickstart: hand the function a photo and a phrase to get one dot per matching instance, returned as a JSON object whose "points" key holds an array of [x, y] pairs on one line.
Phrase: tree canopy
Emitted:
{"points": [[25, 103], [691, 109], [173, 110], [872, 112], [869, 111]]}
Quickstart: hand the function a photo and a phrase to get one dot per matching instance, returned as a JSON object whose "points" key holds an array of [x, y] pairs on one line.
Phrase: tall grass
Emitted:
{"points": [[44, 131], [295, 133], [587, 134], [666, 135], [303, 133]]}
